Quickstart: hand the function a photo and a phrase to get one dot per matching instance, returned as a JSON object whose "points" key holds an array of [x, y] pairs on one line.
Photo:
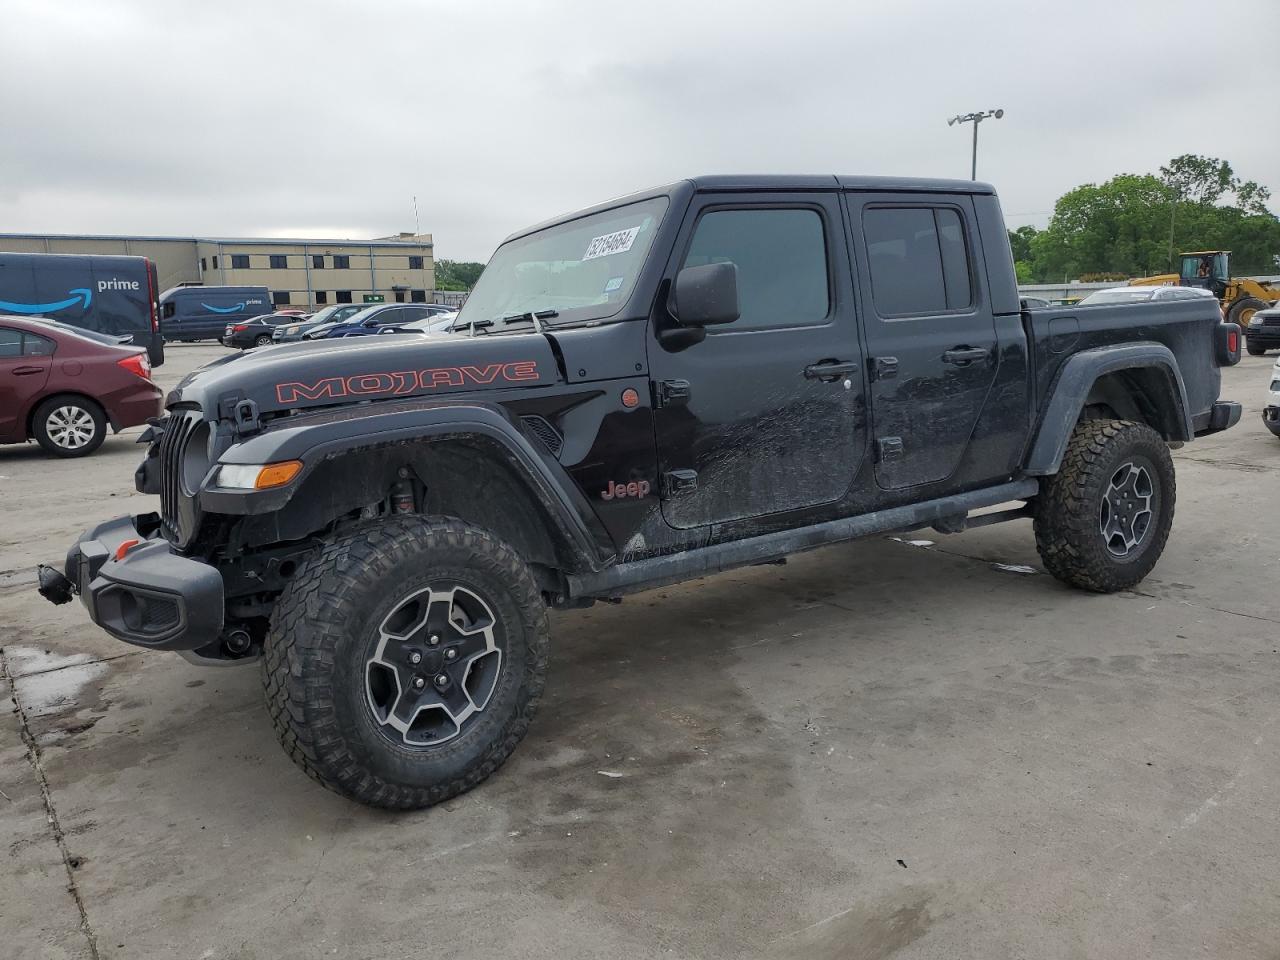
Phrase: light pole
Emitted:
{"points": [[975, 119]]}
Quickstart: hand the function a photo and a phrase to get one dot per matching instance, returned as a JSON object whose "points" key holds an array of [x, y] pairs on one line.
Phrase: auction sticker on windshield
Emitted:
{"points": [[611, 243]]}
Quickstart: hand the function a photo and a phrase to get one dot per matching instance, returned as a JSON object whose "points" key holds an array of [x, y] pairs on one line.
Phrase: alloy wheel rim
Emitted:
{"points": [[435, 665], [70, 427], [1126, 513]]}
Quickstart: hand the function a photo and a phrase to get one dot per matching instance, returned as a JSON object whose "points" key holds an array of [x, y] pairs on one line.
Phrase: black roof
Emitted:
{"points": [[775, 183]]}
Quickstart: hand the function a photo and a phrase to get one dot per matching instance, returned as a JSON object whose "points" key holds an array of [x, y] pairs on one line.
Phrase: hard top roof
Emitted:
{"points": [[774, 183]]}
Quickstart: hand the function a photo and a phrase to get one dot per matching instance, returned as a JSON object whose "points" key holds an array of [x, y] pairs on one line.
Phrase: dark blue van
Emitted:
{"points": [[111, 295], [202, 313]]}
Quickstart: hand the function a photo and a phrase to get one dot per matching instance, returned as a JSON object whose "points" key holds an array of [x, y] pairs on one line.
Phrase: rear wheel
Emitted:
{"points": [[405, 661], [262, 339], [69, 426], [1102, 520], [1242, 311]]}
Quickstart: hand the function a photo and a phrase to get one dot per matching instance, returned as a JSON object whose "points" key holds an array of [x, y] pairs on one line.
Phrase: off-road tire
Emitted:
{"points": [[1255, 349], [1066, 512], [87, 413], [1245, 305], [315, 653]]}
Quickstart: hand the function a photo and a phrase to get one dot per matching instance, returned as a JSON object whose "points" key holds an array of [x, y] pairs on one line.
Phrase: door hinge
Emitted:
{"points": [[671, 393], [884, 368], [679, 481], [890, 448]]}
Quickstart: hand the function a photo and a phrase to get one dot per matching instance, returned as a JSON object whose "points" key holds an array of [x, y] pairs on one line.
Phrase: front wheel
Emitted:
{"points": [[405, 660], [1101, 522], [1255, 349]]}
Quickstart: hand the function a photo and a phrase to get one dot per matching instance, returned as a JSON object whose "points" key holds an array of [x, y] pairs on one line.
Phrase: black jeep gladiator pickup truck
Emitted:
{"points": [[715, 373]]}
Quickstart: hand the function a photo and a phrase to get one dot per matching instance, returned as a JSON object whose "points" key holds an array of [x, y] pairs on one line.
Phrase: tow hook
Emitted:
{"points": [[54, 587]]}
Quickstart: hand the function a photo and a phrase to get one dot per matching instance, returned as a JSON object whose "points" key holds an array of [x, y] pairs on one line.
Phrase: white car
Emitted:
{"points": [[1271, 412], [1144, 295], [440, 323]]}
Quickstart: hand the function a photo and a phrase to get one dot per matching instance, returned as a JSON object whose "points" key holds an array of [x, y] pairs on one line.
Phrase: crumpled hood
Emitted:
{"points": [[324, 372]]}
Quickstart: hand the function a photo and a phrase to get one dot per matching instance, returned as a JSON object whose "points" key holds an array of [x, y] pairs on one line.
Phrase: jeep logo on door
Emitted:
{"points": [[407, 381]]}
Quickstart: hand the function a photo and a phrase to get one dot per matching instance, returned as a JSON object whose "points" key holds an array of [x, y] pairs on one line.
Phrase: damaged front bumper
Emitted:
{"points": [[138, 588]]}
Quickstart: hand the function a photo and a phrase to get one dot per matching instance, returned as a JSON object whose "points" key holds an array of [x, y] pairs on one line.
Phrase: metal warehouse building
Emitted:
{"points": [[299, 273]]}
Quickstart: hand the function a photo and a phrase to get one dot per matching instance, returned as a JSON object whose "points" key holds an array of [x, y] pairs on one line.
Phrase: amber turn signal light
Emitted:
{"points": [[277, 474]]}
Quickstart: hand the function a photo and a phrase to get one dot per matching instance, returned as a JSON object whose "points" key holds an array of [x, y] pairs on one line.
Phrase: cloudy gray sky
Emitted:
{"points": [[324, 118]]}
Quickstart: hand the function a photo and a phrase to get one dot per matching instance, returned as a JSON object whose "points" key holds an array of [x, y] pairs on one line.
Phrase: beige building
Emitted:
{"points": [[298, 273]]}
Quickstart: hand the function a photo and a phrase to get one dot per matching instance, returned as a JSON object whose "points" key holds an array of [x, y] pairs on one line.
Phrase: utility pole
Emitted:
{"points": [[975, 119]]}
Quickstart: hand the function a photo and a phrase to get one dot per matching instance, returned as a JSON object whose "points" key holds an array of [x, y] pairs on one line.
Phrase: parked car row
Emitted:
{"points": [[331, 323]]}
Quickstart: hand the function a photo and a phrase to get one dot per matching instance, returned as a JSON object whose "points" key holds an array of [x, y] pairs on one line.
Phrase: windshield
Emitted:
{"points": [[116, 339], [323, 316], [1137, 295], [582, 270]]}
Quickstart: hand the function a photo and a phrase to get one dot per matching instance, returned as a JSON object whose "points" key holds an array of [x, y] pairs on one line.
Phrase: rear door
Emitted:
{"points": [[930, 332], [766, 415], [25, 361]]}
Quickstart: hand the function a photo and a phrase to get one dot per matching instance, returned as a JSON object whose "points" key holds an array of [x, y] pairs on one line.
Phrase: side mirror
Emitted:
{"points": [[706, 295]]}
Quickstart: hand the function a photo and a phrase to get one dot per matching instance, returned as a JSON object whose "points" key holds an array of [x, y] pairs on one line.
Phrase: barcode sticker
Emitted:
{"points": [[611, 243]]}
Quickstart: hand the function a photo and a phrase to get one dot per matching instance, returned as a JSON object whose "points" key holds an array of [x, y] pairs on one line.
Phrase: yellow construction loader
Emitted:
{"points": [[1240, 297]]}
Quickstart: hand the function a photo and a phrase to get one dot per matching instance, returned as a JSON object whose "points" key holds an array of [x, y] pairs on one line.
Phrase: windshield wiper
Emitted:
{"points": [[534, 316], [472, 325]]}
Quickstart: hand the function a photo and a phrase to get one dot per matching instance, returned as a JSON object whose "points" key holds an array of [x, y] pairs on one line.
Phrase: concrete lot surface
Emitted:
{"points": [[920, 748]]}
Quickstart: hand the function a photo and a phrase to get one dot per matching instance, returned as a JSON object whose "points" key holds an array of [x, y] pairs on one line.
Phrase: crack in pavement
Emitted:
{"points": [[50, 811], [68, 666]]}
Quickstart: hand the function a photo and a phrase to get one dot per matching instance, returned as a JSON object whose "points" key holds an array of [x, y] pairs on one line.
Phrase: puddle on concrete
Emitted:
{"points": [[50, 683]]}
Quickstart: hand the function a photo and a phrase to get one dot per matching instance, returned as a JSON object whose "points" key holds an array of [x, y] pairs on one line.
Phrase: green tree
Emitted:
{"points": [[1132, 224], [1020, 242], [457, 274]]}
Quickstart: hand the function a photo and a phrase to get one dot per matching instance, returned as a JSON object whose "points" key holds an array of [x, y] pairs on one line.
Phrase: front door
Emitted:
{"points": [[931, 335], [767, 414], [25, 361]]}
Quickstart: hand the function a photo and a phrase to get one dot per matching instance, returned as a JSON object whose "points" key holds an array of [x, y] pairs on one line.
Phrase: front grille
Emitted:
{"points": [[178, 427], [1272, 321], [545, 432]]}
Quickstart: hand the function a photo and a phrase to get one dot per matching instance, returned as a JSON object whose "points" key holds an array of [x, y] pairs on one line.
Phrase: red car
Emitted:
{"points": [[64, 386]]}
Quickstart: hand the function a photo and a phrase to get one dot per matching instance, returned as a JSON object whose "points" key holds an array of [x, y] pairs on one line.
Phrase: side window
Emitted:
{"points": [[10, 343], [279, 261], [170, 309], [33, 346], [781, 256], [955, 258], [239, 261], [919, 260], [386, 317]]}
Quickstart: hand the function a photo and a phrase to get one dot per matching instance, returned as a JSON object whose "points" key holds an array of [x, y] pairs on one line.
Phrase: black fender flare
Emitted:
{"points": [[1069, 392], [319, 437]]}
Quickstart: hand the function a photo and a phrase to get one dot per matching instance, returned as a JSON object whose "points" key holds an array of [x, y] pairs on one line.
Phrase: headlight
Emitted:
{"points": [[1255, 321], [256, 476]]}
